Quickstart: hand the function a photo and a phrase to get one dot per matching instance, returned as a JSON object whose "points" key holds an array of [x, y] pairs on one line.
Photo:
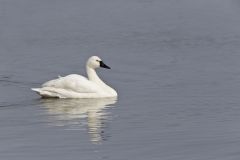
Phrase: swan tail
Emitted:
{"points": [[46, 93], [36, 89], [49, 92]]}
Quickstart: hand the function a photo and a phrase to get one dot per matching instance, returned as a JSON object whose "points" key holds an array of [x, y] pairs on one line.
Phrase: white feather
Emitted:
{"points": [[77, 86]]}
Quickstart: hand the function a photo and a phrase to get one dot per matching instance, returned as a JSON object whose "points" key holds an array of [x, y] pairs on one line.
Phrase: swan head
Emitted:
{"points": [[96, 62]]}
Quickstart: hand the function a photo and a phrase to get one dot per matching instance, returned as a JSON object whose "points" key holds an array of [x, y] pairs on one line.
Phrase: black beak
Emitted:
{"points": [[103, 65]]}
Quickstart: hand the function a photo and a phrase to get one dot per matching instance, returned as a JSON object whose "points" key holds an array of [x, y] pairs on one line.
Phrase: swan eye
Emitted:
{"points": [[97, 60]]}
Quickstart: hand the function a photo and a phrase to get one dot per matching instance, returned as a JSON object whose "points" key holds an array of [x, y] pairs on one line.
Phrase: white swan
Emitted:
{"points": [[77, 86]]}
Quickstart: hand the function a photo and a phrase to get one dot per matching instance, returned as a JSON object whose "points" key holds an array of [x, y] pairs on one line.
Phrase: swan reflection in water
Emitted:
{"points": [[78, 113]]}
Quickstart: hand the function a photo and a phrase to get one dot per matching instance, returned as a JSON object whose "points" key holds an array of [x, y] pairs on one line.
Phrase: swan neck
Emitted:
{"points": [[92, 76]]}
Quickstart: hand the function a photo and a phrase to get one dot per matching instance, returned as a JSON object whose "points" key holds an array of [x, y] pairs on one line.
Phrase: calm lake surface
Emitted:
{"points": [[175, 65]]}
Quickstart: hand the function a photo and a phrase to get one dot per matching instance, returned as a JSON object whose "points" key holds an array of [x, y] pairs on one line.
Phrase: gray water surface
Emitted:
{"points": [[175, 65]]}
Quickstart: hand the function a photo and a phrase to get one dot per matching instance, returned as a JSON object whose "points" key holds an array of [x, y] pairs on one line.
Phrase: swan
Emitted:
{"points": [[77, 86]]}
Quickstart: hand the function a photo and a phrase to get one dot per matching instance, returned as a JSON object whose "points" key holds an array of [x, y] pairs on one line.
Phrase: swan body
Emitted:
{"points": [[77, 86]]}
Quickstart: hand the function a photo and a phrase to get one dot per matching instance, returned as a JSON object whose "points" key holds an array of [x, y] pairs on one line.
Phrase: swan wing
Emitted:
{"points": [[73, 82]]}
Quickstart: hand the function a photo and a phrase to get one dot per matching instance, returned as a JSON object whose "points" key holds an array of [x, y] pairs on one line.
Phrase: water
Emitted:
{"points": [[175, 65]]}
